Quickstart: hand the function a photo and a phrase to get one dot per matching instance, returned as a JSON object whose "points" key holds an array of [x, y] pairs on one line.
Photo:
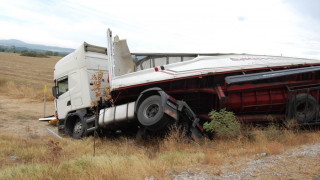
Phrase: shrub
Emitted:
{"points": [[49, 53], [223, 123], [32, 54]]}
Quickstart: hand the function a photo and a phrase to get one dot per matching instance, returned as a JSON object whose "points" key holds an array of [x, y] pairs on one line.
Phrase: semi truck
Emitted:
{"points": [[148, 92]]}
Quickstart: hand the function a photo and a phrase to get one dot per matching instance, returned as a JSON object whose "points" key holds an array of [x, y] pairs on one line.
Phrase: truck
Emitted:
{"points": [[148, 92]]}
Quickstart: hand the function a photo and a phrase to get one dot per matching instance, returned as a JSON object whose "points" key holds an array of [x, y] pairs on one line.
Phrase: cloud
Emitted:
{"points": [[248, 26], [308, 8]]}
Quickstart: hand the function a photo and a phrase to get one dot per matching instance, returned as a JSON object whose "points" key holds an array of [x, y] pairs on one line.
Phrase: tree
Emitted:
{"points": [[49, 53]]}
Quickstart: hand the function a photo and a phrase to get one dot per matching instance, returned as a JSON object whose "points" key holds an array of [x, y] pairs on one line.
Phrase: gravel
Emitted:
{"points": [[302, 162]]}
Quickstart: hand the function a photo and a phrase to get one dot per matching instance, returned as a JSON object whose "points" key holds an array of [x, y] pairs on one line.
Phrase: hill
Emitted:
{"points": [[34, 47]]}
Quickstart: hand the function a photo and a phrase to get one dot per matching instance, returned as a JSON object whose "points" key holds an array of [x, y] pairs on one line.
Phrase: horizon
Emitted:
{"points": [[31, 43]]}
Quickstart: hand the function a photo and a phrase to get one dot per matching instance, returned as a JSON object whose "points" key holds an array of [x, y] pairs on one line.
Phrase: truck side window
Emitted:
{"points": [[62, 86]]}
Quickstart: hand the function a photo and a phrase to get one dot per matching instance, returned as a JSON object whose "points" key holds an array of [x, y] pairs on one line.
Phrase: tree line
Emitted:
{"points": [[32, 53]]}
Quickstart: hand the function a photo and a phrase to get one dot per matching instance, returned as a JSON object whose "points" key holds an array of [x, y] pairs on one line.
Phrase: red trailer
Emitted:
{"points": [[253, 94]]}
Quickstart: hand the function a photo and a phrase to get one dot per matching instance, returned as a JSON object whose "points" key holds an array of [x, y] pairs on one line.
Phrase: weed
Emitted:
{"points": [[212, 157], [274, 133], [292, 124], [223, 123], [54, 150], [247, 132]]}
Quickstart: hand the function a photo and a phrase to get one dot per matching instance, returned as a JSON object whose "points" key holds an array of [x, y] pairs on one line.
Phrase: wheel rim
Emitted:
{"points": [[77, 128], [151, 110], [304, 109]]}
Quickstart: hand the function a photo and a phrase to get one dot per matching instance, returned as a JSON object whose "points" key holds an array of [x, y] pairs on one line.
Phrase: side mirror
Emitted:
{"points": [[54, 92]]}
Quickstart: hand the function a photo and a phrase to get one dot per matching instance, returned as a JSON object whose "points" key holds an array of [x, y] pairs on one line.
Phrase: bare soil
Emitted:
{"points": [[20, 116]]}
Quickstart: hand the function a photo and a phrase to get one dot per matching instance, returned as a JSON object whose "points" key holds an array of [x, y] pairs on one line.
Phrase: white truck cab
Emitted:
{"points": [[149, 107], [73, 78]]}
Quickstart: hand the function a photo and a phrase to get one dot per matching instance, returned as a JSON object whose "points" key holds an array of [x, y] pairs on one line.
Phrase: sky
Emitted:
{"points": [[266, 27]]}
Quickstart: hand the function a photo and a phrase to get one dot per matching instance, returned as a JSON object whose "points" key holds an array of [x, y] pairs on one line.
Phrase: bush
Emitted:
{"points": [[32, 54], [223, 124], [49, 53]]}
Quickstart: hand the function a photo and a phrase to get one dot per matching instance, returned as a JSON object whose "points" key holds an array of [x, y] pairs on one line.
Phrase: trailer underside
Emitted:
{"points": [[250, 100]]}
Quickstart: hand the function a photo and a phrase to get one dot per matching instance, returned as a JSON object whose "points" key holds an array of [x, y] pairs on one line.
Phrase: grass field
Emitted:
{"points": [[123, 158], [25, 77], [27, 151]]}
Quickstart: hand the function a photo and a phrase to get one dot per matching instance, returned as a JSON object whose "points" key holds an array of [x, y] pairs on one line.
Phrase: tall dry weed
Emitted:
{"points": [[175, 139], [54, 151]]}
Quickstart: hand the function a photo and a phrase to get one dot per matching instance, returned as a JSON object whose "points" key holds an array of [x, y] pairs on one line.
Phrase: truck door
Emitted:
{"points": [[74, 84], [63, 100]]}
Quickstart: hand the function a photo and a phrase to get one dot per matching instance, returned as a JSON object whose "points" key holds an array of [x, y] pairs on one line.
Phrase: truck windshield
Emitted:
{"points": [[62, 86]]}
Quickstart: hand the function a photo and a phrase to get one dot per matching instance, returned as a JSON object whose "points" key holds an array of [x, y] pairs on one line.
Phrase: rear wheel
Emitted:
{"points": [[151, 113], [305, 108]]}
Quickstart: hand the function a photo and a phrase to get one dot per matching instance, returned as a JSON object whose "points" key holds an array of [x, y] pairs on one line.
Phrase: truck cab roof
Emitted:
{"points": [[76, 59]]}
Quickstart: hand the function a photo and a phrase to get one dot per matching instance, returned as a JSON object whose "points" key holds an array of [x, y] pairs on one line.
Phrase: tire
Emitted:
{"points": [[305, 114], [78, 129], [151, 114]]}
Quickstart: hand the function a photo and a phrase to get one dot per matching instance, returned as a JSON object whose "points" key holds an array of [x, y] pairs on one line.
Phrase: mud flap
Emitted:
{"points": [[190, 117], [195, 133]]}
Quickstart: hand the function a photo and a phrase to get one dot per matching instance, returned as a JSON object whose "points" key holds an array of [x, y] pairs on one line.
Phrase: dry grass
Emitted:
{"points": [[11, 89], [115, 159], [129, 159], [272, 140], [25, 77]]}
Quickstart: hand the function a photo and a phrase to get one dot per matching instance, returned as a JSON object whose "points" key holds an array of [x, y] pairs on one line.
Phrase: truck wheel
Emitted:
{"points": [[151, 115], [305, 108], [78, 129]]}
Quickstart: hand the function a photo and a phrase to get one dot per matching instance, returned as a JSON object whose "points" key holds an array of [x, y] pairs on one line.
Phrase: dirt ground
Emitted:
{"points": [[20, 116]]}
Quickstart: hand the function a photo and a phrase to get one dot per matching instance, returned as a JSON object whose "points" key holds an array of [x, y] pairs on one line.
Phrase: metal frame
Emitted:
{"points": [[271, 74], [292, 97]]}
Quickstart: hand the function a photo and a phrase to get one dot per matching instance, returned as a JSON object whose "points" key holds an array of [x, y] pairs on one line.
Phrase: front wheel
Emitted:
{"points": [[78, 129]]}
